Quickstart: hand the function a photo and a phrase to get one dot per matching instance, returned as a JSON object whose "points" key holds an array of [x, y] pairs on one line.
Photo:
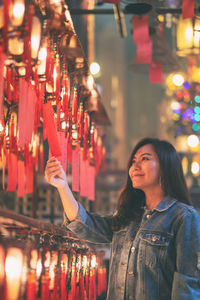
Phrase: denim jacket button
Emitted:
{"points": [[154, 238], [148, 216], [131, 273], [132, 249]]}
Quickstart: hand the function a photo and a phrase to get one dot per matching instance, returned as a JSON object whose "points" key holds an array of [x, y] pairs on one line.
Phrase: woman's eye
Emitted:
{"points": [[145, 158]]}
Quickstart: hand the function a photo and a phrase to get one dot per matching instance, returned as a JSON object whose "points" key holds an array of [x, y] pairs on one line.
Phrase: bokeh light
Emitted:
{"points": [[193, 140]]}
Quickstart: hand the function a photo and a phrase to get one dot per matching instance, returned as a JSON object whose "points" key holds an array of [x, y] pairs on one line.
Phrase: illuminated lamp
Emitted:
{"points": [[186, 85], [36, 33], [178, 80], [2, 268], [195, 127], [195, 168], [188, 36], [94, 68], [16, 12], [13, 272], [185, 165], [193, 141], [197, 99]]}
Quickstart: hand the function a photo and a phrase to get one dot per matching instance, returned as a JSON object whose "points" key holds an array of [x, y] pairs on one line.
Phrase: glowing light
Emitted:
{"points": [[193, 141], [93, 261], [1, 128], [197, 117], [186, 85], [185, 165], [195, 127], [197, 99], [178, 80], [90, 82], [13, 270], [18, 10], [35, 37], [197, 109], [175, 105], [195, 167], [63, 125], [94, 68], [42, 55], [39, 268]]}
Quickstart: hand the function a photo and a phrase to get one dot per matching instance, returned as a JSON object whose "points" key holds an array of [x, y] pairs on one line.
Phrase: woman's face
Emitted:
{"points": [[145, 169]]}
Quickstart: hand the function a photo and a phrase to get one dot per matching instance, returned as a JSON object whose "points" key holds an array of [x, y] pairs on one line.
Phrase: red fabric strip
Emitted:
{"points": [[75, 170], [63, 142], [83, 175], [29, 175], [2, 62], [21, 178], [50, 126], [155, 72], [12, 172], [91, 182], [22, 112], [187, 9], [140, 29], [144, 53]]}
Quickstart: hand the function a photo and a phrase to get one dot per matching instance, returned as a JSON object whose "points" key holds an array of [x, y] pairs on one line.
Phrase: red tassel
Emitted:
{"points": [[74, 107], [31, 286], [21, 178], [63, 276], [187, 9], [57, 68], [6, 5], [12, 172], [29, 175], [41, 159], [8, 85], [2, 62], [85, 137], [51, 129], [72, 291], [65, 96]]}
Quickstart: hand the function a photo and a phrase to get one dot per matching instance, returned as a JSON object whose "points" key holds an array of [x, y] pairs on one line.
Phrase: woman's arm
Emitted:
{"points": [[186, 282], [56, 176], [88, 226]]}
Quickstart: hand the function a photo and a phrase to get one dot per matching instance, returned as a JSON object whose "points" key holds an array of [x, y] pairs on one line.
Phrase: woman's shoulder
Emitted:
{"points": [[186, 210]]}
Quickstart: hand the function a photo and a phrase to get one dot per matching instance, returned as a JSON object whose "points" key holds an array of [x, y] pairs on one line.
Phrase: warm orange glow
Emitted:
{"points": [[13, 269]]}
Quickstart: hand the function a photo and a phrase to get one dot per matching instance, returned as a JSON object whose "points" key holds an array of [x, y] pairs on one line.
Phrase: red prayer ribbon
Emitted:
{"points": [[155, 72], [49, 124], [12, 172], [21, 179], [187, 9]]}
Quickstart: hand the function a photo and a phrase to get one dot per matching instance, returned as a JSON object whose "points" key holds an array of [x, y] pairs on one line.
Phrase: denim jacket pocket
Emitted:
{"points": [[153, 248]]}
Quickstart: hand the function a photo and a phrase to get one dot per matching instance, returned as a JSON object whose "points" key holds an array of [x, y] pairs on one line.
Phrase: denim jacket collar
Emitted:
{"points": [[165, 204]]}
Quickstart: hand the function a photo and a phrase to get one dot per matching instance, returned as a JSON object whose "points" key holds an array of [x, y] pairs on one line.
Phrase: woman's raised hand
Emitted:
{"points": [[55, 174]]}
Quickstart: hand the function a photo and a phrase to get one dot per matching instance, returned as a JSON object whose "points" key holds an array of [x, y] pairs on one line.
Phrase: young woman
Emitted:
{"points": [[155, 233]]}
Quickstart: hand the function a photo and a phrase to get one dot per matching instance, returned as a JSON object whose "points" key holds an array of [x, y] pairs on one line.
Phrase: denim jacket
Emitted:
{"points": [[157, 259]]}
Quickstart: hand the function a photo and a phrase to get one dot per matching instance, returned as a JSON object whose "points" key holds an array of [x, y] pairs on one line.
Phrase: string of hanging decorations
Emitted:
{"points": [[46, 92], [48, 264]]}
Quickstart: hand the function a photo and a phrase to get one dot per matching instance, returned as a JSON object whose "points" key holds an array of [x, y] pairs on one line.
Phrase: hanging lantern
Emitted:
{"points": [[35, 37], [16, 12], [13, 271], [188, 36]]}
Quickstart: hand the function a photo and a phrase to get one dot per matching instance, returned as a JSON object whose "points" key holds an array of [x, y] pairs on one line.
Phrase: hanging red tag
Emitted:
{"points": [[83, 175], [144, 53], [155, 72], [50, 126], [29, 175], [75, 170], [2, 62], [12, 172], [21, 179], [187, 9], [140, 29], [63, 142], [91, 182]]}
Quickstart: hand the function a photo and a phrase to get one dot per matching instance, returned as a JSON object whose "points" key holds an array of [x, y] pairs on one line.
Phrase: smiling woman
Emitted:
{"points": [[155, 233]]}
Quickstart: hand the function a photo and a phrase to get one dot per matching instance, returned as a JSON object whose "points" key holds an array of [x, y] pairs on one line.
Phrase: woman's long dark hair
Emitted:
{"points": [[131, 201]]}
